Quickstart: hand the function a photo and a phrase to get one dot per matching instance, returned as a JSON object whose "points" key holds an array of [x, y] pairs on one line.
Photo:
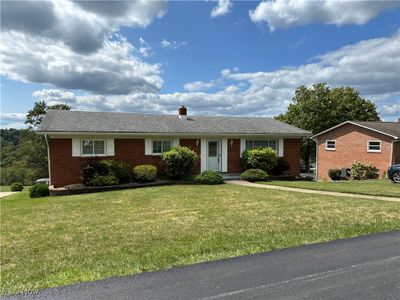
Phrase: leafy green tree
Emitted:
{"points": [[36, 114], [25, 161], [318, 108], [23, 152]]}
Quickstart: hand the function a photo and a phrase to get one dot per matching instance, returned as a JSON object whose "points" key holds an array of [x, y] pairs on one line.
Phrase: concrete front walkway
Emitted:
{"points": [[5, 194], [307, 191]]}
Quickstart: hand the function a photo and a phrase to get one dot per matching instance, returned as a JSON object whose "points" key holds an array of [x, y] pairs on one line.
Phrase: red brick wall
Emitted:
{"points": [[234, 159], [66, 169], [191, 144], [351, 145], [291, 152]]}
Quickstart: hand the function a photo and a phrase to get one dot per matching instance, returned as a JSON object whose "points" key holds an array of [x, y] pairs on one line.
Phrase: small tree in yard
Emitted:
{"points": [[259, 158], [178, 162], [320, 107]]}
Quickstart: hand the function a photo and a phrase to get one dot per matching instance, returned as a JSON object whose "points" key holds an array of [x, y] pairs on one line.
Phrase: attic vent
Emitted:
{"points": [[182, 113]]}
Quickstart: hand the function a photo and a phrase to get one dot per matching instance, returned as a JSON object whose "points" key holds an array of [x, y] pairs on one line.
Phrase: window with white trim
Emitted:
{"points": [[330, 145], [252, 144], [374, 146], [160, 146], [93, 147]]}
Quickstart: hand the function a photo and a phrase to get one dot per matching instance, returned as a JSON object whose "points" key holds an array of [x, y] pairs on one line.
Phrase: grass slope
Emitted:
{"points": [[376, 187], [63, 240]]}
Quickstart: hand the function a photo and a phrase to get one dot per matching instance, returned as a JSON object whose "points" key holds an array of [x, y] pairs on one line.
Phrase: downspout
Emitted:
{"points": [[391, 153], [48, 158], [316, 159]]}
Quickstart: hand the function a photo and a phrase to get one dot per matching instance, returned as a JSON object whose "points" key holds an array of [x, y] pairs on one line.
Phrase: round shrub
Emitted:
{"points": [[209, 177], [254, 175], [334, 174], [178, 162], [145, 173], [282, 166], [102, 180], [91, 170], [107, 172], [259, 158], [123, 171], [39, 190], [360, 171], [17, 187]]}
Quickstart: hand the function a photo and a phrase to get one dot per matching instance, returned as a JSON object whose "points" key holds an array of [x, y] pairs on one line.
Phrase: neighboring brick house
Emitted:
{"points": [[377, 143], [76, 138]]}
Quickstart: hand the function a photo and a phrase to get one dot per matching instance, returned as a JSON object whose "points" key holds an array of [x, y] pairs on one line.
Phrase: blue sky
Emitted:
{"points": [[237, 58]]}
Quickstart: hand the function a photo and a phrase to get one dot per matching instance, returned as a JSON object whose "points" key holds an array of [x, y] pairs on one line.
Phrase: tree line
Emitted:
{"points": [[316, 108], [23, 152]]}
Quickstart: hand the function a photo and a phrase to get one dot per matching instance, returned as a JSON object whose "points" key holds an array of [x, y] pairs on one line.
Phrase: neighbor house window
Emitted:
{"points": [[374, 146], [330, 144], [161, 146], [251, 144], [93, 147]]}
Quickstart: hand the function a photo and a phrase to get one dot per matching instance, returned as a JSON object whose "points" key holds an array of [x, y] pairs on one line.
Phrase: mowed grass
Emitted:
{"points": [[375, 187], [55, 241], [6, 188]]}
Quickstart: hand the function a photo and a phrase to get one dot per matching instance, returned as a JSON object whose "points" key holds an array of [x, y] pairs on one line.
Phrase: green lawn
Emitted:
{"points": [[63, 240], [6, 188], [376, 187]]}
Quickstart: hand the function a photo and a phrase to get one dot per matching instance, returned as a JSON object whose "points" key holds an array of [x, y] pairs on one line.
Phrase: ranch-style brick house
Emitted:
{"points": [[76, 138], [377, 143]]}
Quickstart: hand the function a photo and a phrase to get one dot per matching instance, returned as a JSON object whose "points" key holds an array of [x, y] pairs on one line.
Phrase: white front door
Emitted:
{"points": [[214, 155]]}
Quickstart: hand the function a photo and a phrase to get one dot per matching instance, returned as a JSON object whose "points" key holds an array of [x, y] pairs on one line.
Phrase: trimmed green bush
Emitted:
{"points": [[122, 171], [281, 167], [361, 171], [17, 187], [145, 173], [178, 162], [107, 172], [259, 158], [334, 174], [102, 180], [209, 177], [254, 175], [39, 190]]}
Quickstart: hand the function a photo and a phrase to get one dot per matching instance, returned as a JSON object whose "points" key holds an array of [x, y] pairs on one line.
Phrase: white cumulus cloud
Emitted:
{"points": [[172, 44], [223, 7], [371, 66], [75, 45], [12, 120], [113, 69], [196, 86], [289, 13], [81, 25]]}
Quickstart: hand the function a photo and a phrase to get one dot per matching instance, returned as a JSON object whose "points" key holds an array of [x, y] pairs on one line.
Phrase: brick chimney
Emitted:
{"points": [[398, 120], [182, 113]]}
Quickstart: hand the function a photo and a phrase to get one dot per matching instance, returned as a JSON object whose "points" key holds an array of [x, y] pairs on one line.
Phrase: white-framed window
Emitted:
{"points": [[330, 145], [251, 144], [374, 146], [160, 146], [93, 147]]}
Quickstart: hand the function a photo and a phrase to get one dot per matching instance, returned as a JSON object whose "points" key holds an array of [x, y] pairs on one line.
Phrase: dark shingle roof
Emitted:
{"points": [[107, 122], [390, 128]]}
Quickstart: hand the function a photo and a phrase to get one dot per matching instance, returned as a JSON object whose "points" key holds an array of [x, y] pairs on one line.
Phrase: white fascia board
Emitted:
{"points": [[355, 124], [172, 135]]}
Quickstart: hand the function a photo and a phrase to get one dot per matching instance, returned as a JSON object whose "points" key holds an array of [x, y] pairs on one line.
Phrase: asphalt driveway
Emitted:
{"points": [[359, 268]]}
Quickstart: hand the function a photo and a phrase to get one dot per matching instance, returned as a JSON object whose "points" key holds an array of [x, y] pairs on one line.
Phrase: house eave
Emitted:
{"points": [[169, 134], [354, 123]]}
